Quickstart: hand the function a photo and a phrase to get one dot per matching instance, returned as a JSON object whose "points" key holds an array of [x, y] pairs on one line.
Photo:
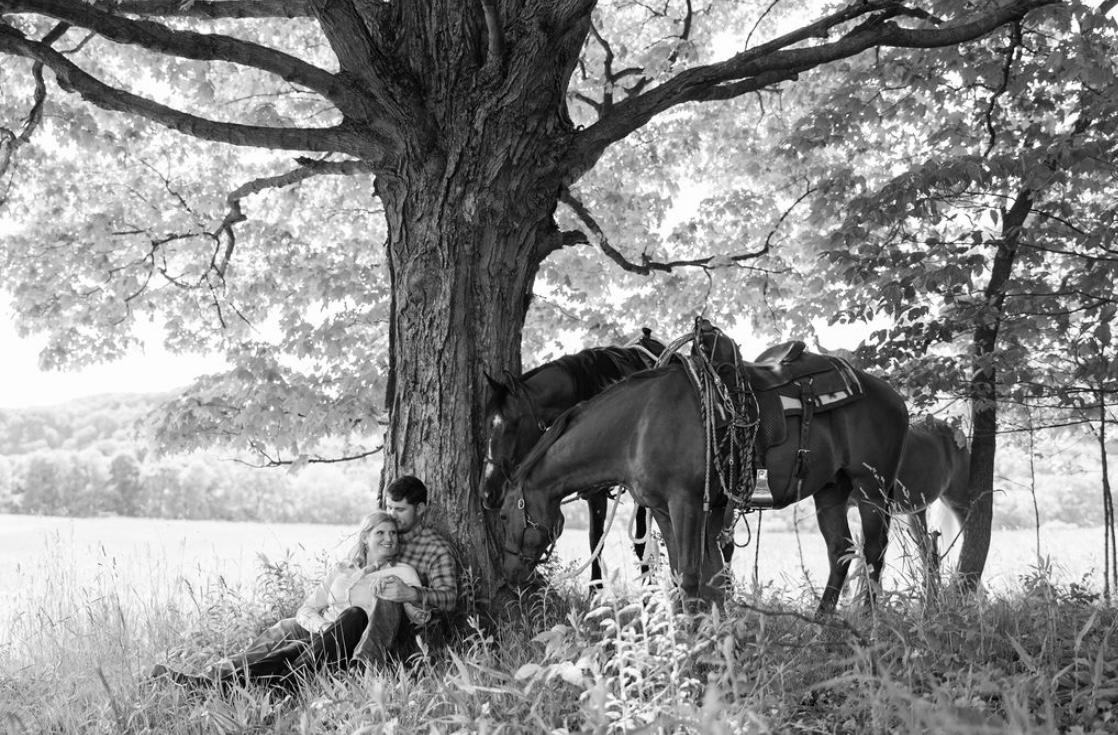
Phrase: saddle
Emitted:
{"points": [[788, 381], [745, 405], [785, 381]]}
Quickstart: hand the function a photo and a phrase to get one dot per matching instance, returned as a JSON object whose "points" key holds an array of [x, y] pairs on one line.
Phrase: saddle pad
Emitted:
{"points": [[829, 390]]}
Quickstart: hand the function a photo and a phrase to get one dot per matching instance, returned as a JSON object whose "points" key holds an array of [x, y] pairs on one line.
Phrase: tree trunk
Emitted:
{"points": [[984, 400], [1110, 547], [464, 247], [469, 199]]}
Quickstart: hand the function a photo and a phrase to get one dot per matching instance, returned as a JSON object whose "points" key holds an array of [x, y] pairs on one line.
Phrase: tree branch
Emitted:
{"points": [[9, 141], [360, 56], [568, 12], [1015, 43], [308, 168], [210, 10], [186, 44], [71, 78], [777, 61], [277, 461], [647, 266]]}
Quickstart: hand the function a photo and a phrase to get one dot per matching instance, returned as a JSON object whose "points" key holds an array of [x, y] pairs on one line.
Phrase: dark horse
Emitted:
{"points": [[645, 434], [521, 409], [935, 465]]}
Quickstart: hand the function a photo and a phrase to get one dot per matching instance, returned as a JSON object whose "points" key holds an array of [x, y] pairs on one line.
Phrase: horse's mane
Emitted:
{"points": [[594, 368], [564, 420], [549, 437]]}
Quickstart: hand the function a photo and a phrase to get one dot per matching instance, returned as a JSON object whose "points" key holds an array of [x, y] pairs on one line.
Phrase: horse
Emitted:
{"points": [[645, 433], [520, 410], [935, 465]]}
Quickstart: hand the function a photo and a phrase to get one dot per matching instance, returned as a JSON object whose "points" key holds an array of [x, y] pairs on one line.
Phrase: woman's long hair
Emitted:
{"points": [[359, 556]]}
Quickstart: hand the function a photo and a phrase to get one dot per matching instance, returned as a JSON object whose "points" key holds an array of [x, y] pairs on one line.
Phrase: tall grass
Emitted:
{"points": [[1043, 659]]}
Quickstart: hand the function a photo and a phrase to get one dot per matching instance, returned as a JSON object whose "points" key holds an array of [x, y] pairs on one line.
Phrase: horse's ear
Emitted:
{"points": [[495, 384], [512, 383]]}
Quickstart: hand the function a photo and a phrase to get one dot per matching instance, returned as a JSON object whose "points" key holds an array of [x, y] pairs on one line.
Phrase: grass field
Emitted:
{"points": [[93, 603], [152, 561]]}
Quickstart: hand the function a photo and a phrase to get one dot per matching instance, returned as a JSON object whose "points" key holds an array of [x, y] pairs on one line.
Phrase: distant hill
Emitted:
{"points": [[88, 457]]}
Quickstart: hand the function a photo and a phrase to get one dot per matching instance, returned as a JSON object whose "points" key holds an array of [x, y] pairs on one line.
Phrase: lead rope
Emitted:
{"points": [[708, 440], [598, 549], [699, 379]]}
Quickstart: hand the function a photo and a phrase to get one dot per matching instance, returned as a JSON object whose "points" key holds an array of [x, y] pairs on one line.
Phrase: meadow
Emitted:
{"points": [[91, 604]]}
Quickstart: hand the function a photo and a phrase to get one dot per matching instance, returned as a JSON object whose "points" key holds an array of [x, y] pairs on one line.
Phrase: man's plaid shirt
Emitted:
{"points": [[428, 553]]}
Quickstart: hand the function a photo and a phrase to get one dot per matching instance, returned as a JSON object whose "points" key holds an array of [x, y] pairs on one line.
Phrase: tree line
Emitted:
{"points": [[89, 458]]}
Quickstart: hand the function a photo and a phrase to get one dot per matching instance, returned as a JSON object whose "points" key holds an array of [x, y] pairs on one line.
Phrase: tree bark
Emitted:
{"points": [[984, 399]]}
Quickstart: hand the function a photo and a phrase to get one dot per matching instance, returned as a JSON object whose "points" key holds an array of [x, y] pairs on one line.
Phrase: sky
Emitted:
{"points": [[153, 369]]}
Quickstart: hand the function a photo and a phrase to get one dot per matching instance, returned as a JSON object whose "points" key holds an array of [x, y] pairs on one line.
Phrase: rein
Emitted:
{"points": [[645, 353], [601, 543]]}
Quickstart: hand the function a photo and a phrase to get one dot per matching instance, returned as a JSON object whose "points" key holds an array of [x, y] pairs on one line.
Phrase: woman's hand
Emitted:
{"points": [[394, 589]]}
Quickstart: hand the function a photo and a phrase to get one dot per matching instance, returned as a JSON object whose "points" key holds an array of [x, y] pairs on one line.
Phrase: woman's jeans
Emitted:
{"points": [[287, 651]]}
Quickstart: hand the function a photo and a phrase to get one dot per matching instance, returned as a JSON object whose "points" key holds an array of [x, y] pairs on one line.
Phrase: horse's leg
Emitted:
{"points": [[959, 505], [664, 523], [873, 508], [692, 555], [716, 558], [597, 503], [830, 512], [642, 539]]}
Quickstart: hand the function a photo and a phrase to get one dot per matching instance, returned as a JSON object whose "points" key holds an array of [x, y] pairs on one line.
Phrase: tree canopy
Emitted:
{"points": [[365, 204]]}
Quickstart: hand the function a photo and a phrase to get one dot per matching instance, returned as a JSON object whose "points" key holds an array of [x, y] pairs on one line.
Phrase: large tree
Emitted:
{"points": [[469, 122]]}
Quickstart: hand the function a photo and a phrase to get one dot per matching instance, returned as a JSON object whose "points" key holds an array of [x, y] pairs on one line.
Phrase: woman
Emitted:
{"points": [[331, 627]]}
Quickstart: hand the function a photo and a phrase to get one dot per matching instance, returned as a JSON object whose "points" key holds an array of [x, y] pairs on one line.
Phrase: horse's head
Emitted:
{"points": [[513, 425], [532, 524]]}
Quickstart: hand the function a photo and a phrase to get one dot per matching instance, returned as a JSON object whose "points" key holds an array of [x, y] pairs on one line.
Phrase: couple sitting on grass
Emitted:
{"points": [[398, 577]]}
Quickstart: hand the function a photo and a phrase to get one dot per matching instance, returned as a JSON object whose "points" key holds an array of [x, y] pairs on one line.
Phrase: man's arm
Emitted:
{"points": [[441, 592]]}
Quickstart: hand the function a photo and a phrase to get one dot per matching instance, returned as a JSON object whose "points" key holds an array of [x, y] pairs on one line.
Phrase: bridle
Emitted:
{"points": [[504, 466], [549, 538], [525, 396]]}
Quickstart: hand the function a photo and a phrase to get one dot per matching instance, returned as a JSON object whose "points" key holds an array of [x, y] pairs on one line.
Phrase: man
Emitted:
{"points": [[429, 554]]}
